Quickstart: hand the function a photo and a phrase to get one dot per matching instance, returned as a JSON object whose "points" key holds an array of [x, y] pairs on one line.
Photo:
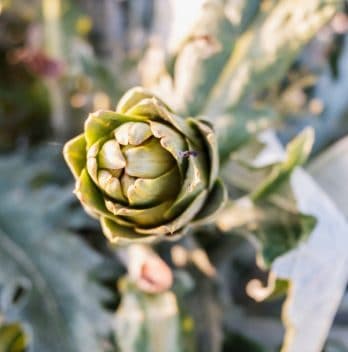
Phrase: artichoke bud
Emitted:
{"points": [[145, 172]]}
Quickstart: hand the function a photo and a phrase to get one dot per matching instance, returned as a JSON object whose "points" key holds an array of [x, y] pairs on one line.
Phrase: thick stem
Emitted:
{"points": [[145, 268]]}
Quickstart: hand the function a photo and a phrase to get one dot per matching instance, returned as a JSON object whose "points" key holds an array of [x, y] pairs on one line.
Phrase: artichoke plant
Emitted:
{"points": [[145, 172]]}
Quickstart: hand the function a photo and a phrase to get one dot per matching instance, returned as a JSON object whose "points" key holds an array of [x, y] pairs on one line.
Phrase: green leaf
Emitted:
{"points": [[264, 173], [279, 236], [297, 153], [264, 53], [234, 51], [316, 270], [61, 305], [269, 209], [276, 230], [204, 51]]}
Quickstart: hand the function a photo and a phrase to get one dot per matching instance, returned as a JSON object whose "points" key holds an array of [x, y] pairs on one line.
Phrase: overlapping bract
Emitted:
{"points": [[145, 172]]}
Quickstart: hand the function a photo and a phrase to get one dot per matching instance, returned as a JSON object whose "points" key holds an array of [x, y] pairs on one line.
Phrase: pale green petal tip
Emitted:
{"points": [[131, 98], [92, 168], [74, 153], [110, 156], [301, 146], [133, 133], [111, 185], [98, 125], [138, 100]]}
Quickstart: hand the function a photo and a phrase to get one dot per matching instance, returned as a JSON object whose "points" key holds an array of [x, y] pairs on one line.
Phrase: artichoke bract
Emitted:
{"points": [[145, 172]]}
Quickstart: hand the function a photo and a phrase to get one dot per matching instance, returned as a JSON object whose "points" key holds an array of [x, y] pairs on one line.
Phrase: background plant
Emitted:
{"points": [[258, 70]]}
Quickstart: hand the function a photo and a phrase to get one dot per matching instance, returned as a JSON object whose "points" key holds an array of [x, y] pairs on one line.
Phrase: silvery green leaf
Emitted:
{"points": [[330, 169], [264, 53], [317, 269], [56, 310]]}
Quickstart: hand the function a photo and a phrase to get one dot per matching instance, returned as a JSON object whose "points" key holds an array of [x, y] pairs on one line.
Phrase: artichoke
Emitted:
{"points": [[145, 172]]}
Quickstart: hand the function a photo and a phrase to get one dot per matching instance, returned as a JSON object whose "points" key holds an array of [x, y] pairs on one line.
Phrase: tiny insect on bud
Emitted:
{"points": [[188, 153]]}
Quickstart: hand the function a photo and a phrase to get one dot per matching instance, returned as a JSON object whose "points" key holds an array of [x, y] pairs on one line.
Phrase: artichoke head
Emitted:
{"points": [[145, 172]]}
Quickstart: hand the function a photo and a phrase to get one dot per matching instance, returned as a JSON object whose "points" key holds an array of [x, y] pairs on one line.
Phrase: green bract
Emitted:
{"points": [[145, 172]]}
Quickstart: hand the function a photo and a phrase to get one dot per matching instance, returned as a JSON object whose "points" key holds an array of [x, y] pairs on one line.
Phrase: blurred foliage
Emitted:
{"points": [[270, 209], [260, 58], [40, 257], [334, 346], [239, 343], [329, 169], [23, 98], [151, 323]]}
